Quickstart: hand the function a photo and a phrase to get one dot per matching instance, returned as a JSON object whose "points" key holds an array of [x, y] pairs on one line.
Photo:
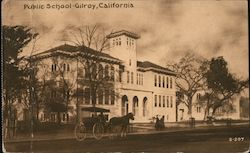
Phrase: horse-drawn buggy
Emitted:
{"points": [[98, 126]]}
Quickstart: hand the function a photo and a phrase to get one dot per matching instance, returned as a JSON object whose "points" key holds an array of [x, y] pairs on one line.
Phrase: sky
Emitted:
{"points": [[168, 28]]}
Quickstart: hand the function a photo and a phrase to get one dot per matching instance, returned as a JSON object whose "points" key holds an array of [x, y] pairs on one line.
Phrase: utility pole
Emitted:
{"points": [[77, 100]]}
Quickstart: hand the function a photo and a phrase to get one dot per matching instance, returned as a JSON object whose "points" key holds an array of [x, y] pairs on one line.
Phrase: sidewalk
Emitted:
{"points": [[137, 130]]}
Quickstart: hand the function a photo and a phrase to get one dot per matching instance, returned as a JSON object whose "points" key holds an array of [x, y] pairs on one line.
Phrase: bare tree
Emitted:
{"points": [[92, 43]]}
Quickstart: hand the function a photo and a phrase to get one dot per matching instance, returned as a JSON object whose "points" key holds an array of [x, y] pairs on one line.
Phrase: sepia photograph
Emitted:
{"points": [[125, 76]]}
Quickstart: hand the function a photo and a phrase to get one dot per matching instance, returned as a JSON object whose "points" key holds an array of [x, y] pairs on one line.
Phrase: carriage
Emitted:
{"points": [[98, 125], [94, 125]]}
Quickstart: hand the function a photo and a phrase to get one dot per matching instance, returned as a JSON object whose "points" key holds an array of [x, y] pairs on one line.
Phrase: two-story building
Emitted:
{"points": [[140, 87]]}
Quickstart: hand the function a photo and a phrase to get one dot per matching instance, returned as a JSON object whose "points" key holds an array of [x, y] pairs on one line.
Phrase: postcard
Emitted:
{"points": [[125, 76]]}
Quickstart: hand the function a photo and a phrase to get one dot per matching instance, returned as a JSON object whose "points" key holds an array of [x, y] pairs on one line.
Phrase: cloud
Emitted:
{"points": [[168, 29]]}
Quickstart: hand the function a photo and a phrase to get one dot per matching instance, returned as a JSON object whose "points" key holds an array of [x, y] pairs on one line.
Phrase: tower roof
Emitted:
{"points": [[123, 32]]}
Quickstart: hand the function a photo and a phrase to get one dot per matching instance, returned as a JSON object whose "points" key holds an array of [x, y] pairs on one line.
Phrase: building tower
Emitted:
{"points": [[123, 47]]}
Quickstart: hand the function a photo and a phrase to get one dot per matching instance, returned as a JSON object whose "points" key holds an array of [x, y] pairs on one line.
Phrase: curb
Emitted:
{"points": [[132, 133]]}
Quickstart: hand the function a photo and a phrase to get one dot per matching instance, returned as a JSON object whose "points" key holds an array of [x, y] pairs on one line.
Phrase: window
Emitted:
{"points": [[141, 79], [171, 101], [155, 80], [106, 96], [94, 72], [100, 97], [120, 75], [112, 97], [100, 71], [135, 106], [64, 67], [144, 107], [106, 72], [198, 96], [129, 62], [163, 97], [167, 82], [159, 100], [155, 100], [171, 83], [68, 69], [87, 70], [52, 68], [159, 81], [137, 78], [167, 101], [112, 73], [132, 77], [198, 109], [128, 77], [65, 117], [163, 81], [53, 117], [87, 96]]}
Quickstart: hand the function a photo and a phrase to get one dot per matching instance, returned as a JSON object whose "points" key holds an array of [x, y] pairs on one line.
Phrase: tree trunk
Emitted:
{"points": [[190, 106]]}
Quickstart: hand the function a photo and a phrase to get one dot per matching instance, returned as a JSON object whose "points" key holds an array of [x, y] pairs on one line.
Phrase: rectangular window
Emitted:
{"points": [[167, 101], [155, 100], [167, 82], [171, 101], [137, 78], [106, 96], [68, 69], [132, 77], [52, 68], [198, 96], [87, 96], [163, 81], [141, 79], [159, 100], [112, 97], [155, 80], [171, 83], [159, 81], [163, 105], [128, 77], [120, 75]]}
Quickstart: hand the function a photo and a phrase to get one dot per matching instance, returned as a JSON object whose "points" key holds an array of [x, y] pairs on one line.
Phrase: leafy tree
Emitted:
{"points": [[189, 78], [221, 84], [14, 39]]}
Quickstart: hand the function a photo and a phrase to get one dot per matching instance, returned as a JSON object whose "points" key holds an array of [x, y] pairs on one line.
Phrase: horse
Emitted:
{"points": [[121, 122]]}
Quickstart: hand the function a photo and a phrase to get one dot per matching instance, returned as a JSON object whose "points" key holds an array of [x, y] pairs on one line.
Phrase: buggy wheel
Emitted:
{"points": [[80, 132], [98, 131]]}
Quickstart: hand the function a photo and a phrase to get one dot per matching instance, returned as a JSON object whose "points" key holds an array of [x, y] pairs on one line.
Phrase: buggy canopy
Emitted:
{"points": [[95, 109]]}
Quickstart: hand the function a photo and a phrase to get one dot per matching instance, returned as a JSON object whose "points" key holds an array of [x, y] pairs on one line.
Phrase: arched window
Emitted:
{"points": [[87, 70], [100, 71], [145, 99], [124, 105], [135, 106], [106, 96], [112, 73], [93, 72], [107, 72]]}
